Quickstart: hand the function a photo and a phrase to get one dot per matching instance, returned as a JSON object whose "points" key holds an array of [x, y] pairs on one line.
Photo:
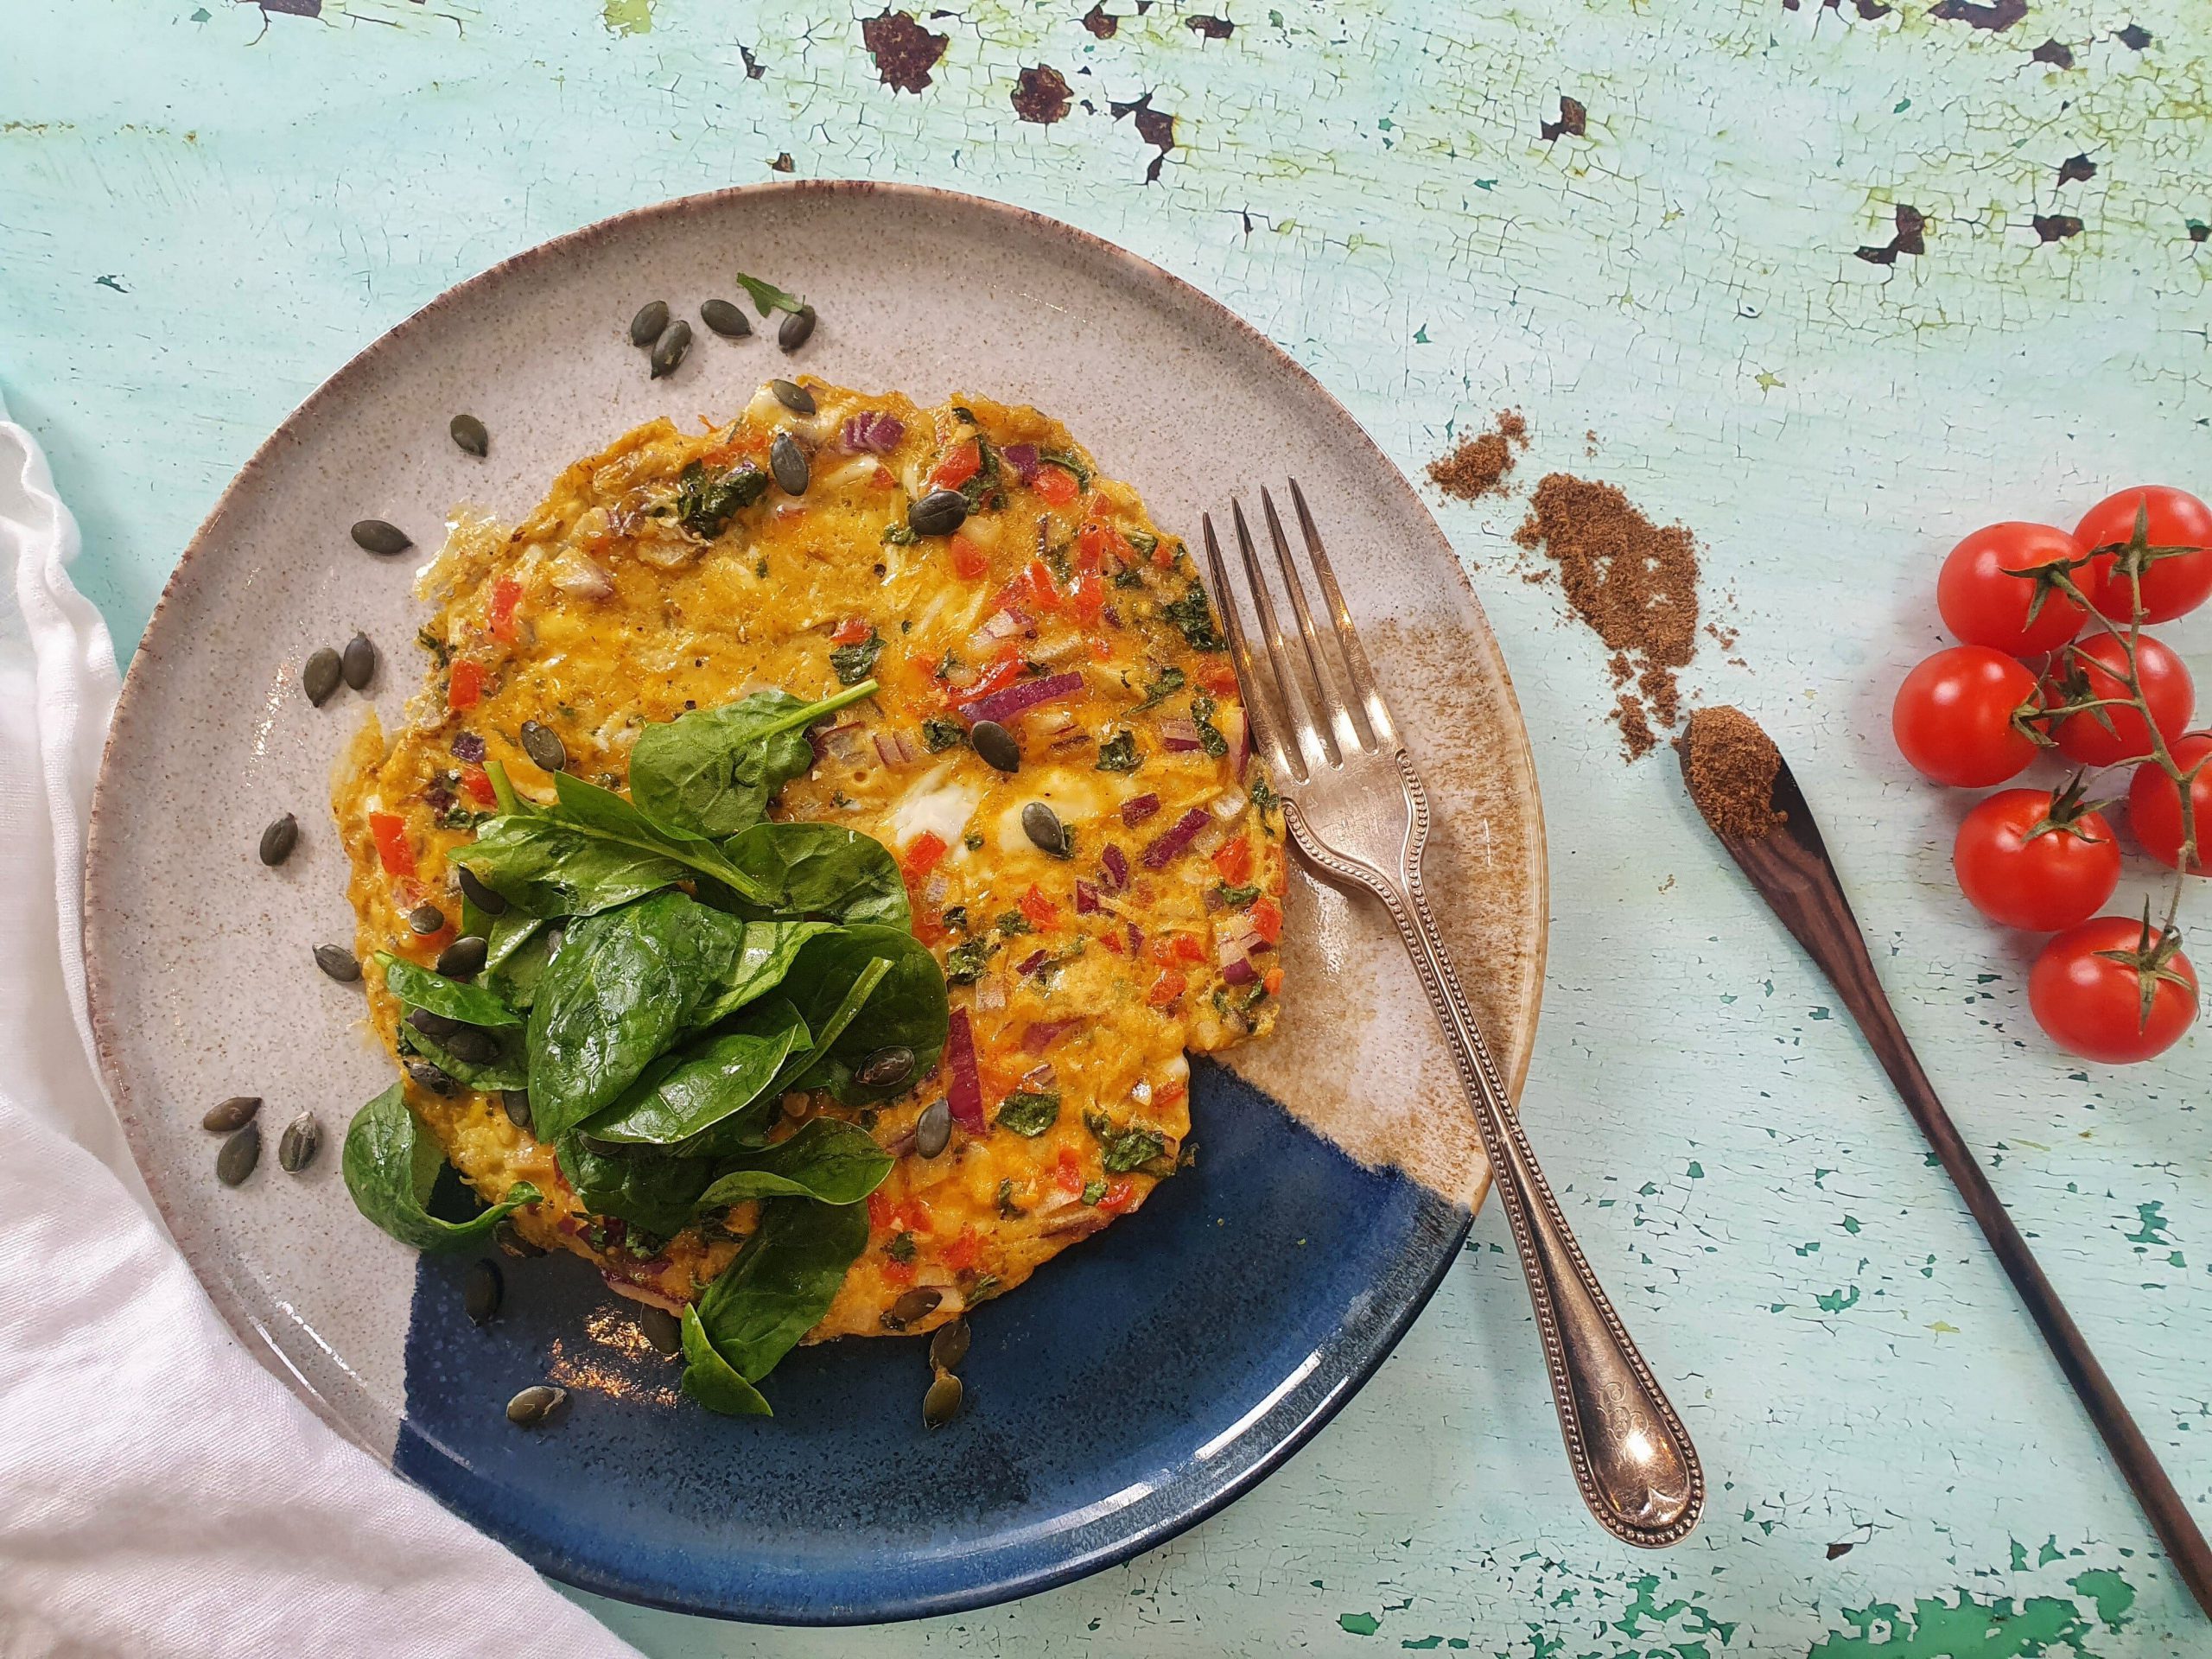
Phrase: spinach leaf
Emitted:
{"points": [[1030, 1112], [965, 962], [509, 1069], [628, 983], [852, 663], [389, 1166], [709, 1379], [984, 480], [643, 1186], [767, 295], [1194, 616], [682, 1093], [548, 867], [1166, 684], [818, 869], [1210, 737], [603, 813], [712, 773], [826, 1160], [908, 1009], [1119, 753], [708, 497], [1062, 458], [418, 988], [941, 732], [516, 950], [781, 1282], [1125, 1148], [1238, 898], [1143, 541], [827, 1031]]}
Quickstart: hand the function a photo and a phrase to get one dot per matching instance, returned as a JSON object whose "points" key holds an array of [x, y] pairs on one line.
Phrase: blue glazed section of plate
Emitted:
{"points": [[1135, 1385]]}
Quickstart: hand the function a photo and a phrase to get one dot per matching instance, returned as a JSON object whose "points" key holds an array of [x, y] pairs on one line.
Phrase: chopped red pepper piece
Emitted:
{"points": [[1067, 1171], [1165, 989], [969, 560], [506, 593], [465, 688], [1272, 980], [1267, 920], [1119, 1192], [922, 856], [478, 783], [1041, 911], [962, 462], [393, 850], [1042, 593], [1056, 486], [964, 1251], [1089, 598], [1234, 861], [898, 1272], [851, 632], [1003, 670]]}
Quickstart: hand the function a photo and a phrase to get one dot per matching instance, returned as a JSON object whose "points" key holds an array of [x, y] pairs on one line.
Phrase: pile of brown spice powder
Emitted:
{"points": [[1631, 581], [1478, 466], [1730, 763]]}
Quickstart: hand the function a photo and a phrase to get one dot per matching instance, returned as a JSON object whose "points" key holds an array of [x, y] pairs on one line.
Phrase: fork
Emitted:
{"points": [[1354, 805]]}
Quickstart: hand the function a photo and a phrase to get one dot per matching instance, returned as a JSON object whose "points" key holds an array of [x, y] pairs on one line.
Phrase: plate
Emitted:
{"points": [[1139, 1382]]}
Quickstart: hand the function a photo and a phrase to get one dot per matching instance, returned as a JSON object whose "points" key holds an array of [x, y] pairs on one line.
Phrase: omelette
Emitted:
{"points": [[1024, 699]]}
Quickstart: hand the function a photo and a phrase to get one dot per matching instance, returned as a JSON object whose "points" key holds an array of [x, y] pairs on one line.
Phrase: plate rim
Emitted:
{"points": [[99, 837]]}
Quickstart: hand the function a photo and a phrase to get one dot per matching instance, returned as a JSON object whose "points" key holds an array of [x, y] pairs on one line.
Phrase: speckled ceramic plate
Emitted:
{"points": [[1137, 1384]]}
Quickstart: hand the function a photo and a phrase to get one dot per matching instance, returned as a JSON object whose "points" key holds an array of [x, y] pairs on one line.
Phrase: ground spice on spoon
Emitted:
{"points": [[1729, 764]]}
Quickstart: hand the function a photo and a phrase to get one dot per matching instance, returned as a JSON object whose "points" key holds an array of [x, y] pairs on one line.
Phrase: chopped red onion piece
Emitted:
{"points": [[1002, 706], [1136, 811], [1034, 961], [896, 749], [1039, 1077], [873, 432], [1235, 947], [1240, 972], [468, 746], [1022, 457], [1164, 851], [1043, 1034], [1086, 899], [1136, 939], [1116, 864], [1178, 736], [964, 1094]]}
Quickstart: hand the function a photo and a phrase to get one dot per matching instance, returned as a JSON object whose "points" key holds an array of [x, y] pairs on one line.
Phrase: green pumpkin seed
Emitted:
{"points": [[436, 1027], [933, 1128], [517, 1102], [358, 665], [997, 746], [662, 1328], [649, 324], [238, 1156], [297, 1146], [233, 1114], [917, 1304], [429, 1077], [375, 535], [278, 840], [886, 1066], [544, 746], [938, 513], [727, 319], [464, 958], [941, 1403], [471, 1044], [798, 327], [1046, 831], [792, 395], [483, 1288], [469, 435], [787, 462], [671, 349], [426, 919], [338, 962], [949, 1346], [479, 895], [534, 1405], [320, 674]]}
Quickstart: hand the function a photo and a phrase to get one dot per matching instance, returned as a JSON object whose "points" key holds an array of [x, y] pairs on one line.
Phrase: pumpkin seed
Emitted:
{"points": [[375, 535], [469, 435], [426, 919], [997, 745], [792, 395], [436, 1027], [517, 1101], [938, 513], [233, 1114], [320, 675], [662, 1328], [471, 1044], [727, 319], [481, 1290], [787, 462], [430, 1077], [358, 665], [887, 1066], [338, 962], [479, 895], [941, 1403], [917, 1304], [933, 1128], [1046, 831], [297, 1146], [509, 1238], [544, 746], [798, 325], [278, 840], [534, 1405], [670, 350], [949, 1346], [464, 958], [646, 327], [238, 1156]]}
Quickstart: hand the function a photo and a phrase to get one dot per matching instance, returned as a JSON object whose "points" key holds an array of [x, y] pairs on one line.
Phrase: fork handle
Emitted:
{"points": [[1632, 1457]]}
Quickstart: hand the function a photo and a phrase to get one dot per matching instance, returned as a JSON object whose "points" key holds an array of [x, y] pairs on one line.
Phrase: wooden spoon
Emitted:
{"points": [[1790, 868]]}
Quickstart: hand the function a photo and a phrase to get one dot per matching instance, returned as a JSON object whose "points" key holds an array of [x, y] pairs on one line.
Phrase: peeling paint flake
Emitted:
{"points": [[2056, 227], [2057, 53], [1213, 29], [1574, 121], [1041, 95], [1101, 22], [1994, 16], [904, 51]]}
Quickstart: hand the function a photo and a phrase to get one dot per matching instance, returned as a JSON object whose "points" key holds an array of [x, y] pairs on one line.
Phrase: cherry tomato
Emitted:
{"points": [[1984, 606], [2172, 583], [1952, 718], [2087, 991], [2029, 859], [2154, 804], [2093, 668]]}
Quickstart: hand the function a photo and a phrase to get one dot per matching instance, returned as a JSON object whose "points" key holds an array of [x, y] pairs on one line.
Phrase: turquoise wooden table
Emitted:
{"points": [[1829, 283]]}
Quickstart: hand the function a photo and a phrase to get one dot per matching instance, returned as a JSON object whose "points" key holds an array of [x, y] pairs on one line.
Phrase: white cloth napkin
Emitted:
{"points": [[161, 1493]]}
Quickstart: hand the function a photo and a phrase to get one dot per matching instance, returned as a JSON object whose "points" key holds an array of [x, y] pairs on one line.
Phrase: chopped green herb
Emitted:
{"points": [[984, 1288], [1010, 924], [900, 1247], [1093, 1190], [1194, 616], [947, 666], [760, 568], [1119, 753], [900, 535], [1126, 1149], [768, 296], [438, 648], [1170, 680], [1128, 575], [956, 916], [973, 841], [1210, 737], [1007, 1209], [1062, 458], [965, 962], [1143, 540], [852, 661], [706, 498], [1263, 796], [1238, 898], [1030, 1111], [941, 732]]}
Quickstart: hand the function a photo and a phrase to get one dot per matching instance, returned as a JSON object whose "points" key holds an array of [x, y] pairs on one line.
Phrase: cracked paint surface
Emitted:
{"points": [[1831, 282]]}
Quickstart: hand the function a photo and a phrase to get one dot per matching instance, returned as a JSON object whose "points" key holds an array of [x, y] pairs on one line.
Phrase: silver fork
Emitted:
{"points": [[1355, 807]]}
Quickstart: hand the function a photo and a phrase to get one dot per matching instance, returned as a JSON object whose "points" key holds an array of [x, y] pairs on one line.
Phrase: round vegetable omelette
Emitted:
{"points": [[814, 845]]}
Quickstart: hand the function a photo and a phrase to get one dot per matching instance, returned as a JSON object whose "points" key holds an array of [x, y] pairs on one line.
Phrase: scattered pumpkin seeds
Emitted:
{"points": [[792, 395], [469, 435], [949, 1346], [320, 675], [917, 1304], [517, 1102], [239, 1154], [426, 919], [481, 1290], [430, 1077], [798, 327], [727, 319], [670, 350], [358, 663], [938, 513], [278, 840], [997, 745], [338, 962], [787, 462], [233, 1114], [464, 958], [544, 746], [297, 1146], [534, 1405], [1046, 831], [933, 1129], [650, 323], [941, 1403], [387, 540], [478, 894], [887, 1066], [662, 1328]]}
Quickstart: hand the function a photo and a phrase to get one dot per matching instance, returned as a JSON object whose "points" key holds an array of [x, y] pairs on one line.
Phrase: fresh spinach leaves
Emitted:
{"points": [[389, 1166], [781, 1282], [1194, 616], [820, 870], [852, 663], [709, 1379], [826, 1160], [1030, 1112], [908, 1010], [691, 1090], [708, 497], [418, 988], [711, 774], [645, 1187], [1119, 753], [1125, 1149]]}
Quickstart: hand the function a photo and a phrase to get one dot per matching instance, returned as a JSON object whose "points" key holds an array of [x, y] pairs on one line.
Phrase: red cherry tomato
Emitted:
{"points": [[1952, 718], [2086, 990], [2154, 804], [2167, 688], [2029, 859], [2172, 583], [1983, 606]]}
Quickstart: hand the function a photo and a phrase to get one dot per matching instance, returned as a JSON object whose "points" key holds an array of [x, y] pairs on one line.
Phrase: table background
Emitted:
{"points": [[206, 207]]}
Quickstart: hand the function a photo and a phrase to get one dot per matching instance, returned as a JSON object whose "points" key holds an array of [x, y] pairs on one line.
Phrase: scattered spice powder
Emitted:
{"points": [[1479, 466], [1634, 583], [1730, 763]]}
